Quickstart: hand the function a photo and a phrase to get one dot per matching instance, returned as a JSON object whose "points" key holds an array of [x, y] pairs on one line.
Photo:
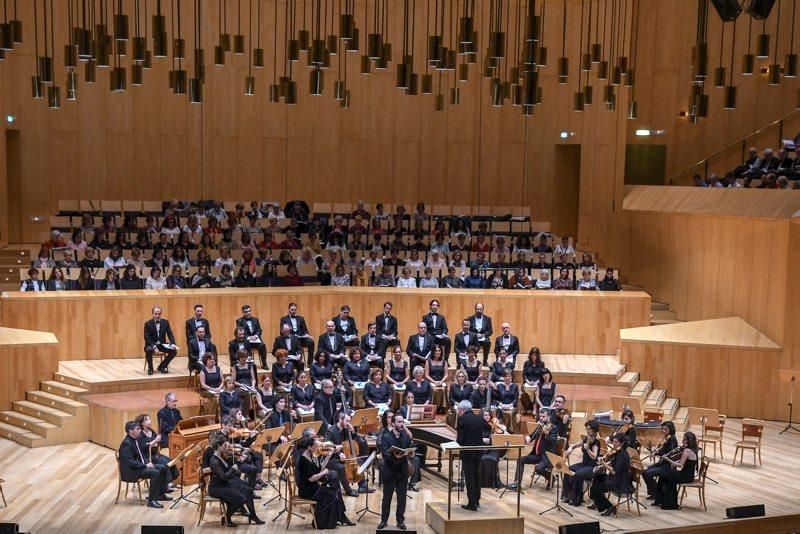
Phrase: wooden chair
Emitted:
{"points": [[205, 498], [160, 355], [633, 495], [561, 444], [752, 429], [713, 435], [121, 481], [699, 483], [293, 500]]}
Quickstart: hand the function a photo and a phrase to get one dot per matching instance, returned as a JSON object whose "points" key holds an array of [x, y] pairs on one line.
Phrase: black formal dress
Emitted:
{"points": [[303, 395], [498, 368], [667, 488], [156, 334], [423, 391], [379, 393], [321, 372], [458, 393], [572, 490], [619, 481], [356, 371], [394, 474], [229, 401], [213, 379], [653, 472], [470, 431], [397, 372], [283, 374], [473, 371], [226, 485], [490, 469], [329, 509]]}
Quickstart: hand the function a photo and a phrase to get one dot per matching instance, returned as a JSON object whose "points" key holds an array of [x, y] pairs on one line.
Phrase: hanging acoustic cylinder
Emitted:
{"points": [[563, 69], [541, 59], [90, 71], [37, 89], [466, 27], [179, 48], [200, 64], [354, 43], [83, 38], [427, 84], [530, 82], [148, 60], [347, 25], [403, 71], [434, 49], [225, 41], [118, 79], [238, 44], [790, 66], [274, 93], [70, 56], [258, 58], [439, 103], [332, 45], [339, 89], [304, 40], [602, 70], [616, 76], [413, 84], [455, 96], [159, 36], [139, 48], [497, 92], [622, 63], [16, 30], [291, 93], [53, 97], [719, 77], [249, 85], [497, 45], [729, 97], [596, 52], [608, 94], [179, 82], [633, 110], [316, 56], [748, 64], [577, 102], [137, 74], [195, 91], [774, 75], [316, 82], [588, 94], [6, 37], [374, 45], [219, 55], [586, 62], [539, 95], [366, 65], [700, 61], [72, 85], [463, 72], [46, 69], [762, 46], [701, 105], [121, 32], [630, 77], [122, 48]]}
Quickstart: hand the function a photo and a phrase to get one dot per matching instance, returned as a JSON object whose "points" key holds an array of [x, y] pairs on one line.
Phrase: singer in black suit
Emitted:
{"points": [[463, 340], [509, 342], [134, 466], [239, 342], [481, 326], [346, 326], [195, 321], [198, 346], [386, 324], [299, 328], [291, 343], [332, 342], [156, 333], [471, 428], [437, 327], [373, 346], [420, 346], [395, 471], [253, 328]]}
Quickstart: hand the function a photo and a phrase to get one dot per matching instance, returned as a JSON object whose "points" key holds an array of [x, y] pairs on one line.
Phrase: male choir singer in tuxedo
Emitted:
{"points": [[287, 340], [481, 327], [299, 328], [507, 341], [196, 321], [158, 336], [437, 327], [253, 332], [386, 324], [420, 346]]}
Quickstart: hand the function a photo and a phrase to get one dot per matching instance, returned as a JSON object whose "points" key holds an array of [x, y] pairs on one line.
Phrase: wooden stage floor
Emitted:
{"points": [[71, 489]]}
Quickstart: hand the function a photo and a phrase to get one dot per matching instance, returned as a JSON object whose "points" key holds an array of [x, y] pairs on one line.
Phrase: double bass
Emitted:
{"points": [[350, 450]]}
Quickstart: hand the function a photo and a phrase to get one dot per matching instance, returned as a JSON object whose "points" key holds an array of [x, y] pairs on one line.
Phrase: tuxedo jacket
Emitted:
{"points": [[461, 344], [487, 325], [513, 346], [301, 330], [150, 336], [280, 343], [255, 331], [386, 325], [413, 346], [234, 347], [324, 343], [131, 461], [441, 324], [190, 328], [352, 329], [194, 348], [379, 345]]}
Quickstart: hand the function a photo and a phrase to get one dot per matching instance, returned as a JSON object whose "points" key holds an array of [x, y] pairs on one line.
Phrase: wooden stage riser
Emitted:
{"points": [[107, 425], [557, 322]]}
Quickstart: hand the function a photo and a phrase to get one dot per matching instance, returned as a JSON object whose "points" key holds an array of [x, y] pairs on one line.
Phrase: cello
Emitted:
{"points": [[350, 451]]}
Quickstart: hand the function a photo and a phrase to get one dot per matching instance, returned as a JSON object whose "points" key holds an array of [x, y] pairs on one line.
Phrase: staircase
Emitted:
{"points": [[11, 260], [50, 415]]}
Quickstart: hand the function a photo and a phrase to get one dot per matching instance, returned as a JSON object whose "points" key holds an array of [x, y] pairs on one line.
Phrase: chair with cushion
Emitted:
{"points": [[752, 429], [128, 482], [698, 483]]}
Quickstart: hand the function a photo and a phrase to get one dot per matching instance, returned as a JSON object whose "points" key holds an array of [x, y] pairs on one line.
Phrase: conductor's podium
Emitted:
{"points": [[494, 516]]}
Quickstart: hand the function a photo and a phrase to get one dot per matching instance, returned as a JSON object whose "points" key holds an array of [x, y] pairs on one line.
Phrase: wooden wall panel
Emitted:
{"points": [[23, 367], [557, 322]]}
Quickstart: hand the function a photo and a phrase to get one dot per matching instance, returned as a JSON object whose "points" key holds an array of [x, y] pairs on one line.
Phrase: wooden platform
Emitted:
{"points": [[109, 412], [494, 515], [728, 332]]}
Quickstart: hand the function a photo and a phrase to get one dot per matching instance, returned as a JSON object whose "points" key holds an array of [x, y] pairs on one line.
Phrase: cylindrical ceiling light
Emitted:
{"points": [[160, 48], [238, 39]]}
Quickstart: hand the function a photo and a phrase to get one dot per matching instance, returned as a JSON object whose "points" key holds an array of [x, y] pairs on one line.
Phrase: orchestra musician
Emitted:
{"points": [[395, 471], [253, 332], [341, 434], [291, 344], [572, 491], [386, 325], [168, 417], [481, 327], [226, 485], [150, 441], [668, 443], [299, 328], [251, 462], [683, 469], [490, 470], [280, 416], [373, 346], [560, 416], [316, 481], [134, 465], [239, 342], [544, 438], [437, 327], [628, 428], [611, 473], [470, 430], [157, 332], [325, 405]]}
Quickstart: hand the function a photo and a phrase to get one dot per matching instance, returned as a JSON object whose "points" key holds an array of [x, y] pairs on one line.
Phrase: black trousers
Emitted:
{"points": [[471, 465], [394, 482], [652, 473], [446, 343], [308, 344], [159, 477], [486, 345], [541, 461], [572, 489], [262, 354], [148, 355], [338, 469], [195, 365], [598, 492], [251, 469]]}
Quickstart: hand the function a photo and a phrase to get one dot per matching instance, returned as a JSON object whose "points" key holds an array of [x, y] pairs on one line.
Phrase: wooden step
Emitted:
{"points": [[66, 379], [628, 378], [46, 413], [20, 435], [656, 322], [641, 389], [55, 401], [13, 252], [63, 389], [663, 314], [8, 286], [669, 407], [655, 398], [28, 422], [681, 418], [658, 306]]}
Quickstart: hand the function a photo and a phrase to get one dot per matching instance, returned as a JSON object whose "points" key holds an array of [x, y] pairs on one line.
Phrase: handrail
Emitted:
{"points": [[706, 160]]}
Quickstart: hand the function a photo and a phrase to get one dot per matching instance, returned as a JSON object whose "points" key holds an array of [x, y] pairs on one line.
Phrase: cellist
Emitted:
{"points": [[353, 446]]}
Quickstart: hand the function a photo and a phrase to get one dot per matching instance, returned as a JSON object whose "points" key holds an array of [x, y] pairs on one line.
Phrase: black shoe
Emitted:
{"points": [[254, 519], [362, 491], [162, 370], [382, 525], [470, 507], [154, 504], [149, 372], [230, 523], [352, 493], [611, 510], [346, 522], [592, 506], [401, 525]]}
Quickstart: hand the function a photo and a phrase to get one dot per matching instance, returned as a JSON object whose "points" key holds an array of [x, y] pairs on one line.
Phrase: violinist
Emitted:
{"points": [[560, 416], [343, 433], [544, 439], [668, 443], [490, 470], [250, 462], [226, 485], [396, 470], [572, 492], [611, 473], [684, 463], [280, 416], [628, 428], [316, 481]]}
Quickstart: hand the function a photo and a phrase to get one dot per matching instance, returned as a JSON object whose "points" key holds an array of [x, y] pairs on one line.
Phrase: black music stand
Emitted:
{"points": [[560, 468], [500, 440], [184, 454], [789, 375], [362, 470], [281, 497]]}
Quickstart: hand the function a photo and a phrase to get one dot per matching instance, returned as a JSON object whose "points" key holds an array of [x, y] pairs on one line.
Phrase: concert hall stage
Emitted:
{"points": [[494, 515]]}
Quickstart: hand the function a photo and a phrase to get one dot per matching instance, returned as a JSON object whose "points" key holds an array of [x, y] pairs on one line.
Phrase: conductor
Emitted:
{"points": [[471, 428], [395, 471]]}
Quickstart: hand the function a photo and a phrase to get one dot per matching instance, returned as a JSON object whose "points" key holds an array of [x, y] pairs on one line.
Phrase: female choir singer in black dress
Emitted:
{"points": [[282, 371], [499, 366], [531, 373], [396, 371], [459, 389], [421, 388], [667, 444], [317, 483], [377, 391], [227, 486], [612, 473], [321, 368], [266, 396], [303, 394], [572, 491], [210, 377], [546, 390], [472, 366], [436, 372], [684, 468], [244, 373], [229, 399]]}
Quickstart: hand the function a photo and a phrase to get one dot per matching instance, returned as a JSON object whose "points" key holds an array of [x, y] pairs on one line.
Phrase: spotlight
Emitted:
{"points": [[642, 132], [10, 118], [566, 134]]}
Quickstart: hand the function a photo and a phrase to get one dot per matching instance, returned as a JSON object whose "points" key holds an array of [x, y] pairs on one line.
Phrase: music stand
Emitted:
{"points": [[504, 440], [422, 413], [365, 417], [560, 468], [267, 437], [620, 404], [299, 428], [361, 470], [700, 416], [283, 455], [790, 376], [185, 453]]}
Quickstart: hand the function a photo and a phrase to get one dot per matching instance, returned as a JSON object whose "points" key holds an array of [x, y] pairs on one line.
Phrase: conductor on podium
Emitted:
{"points": [[471, 429]]}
